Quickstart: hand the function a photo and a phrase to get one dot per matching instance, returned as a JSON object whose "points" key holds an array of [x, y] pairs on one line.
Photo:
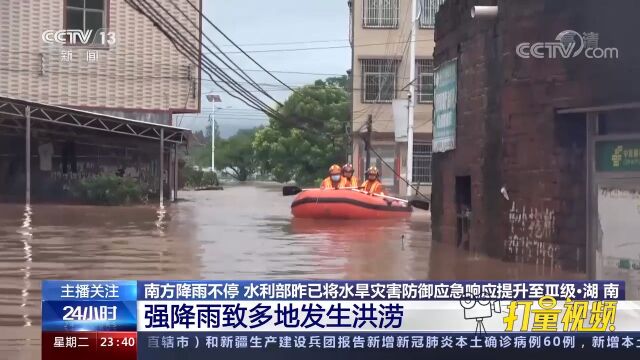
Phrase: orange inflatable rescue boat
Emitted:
{"points": [[346, 204]]}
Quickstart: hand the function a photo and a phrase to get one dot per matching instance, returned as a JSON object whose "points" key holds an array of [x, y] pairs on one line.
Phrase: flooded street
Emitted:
{"points": [[243, 232]]}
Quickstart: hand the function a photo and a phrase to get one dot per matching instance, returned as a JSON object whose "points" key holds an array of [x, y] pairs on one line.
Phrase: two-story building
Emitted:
{"points": [[380, 37], [100, 82]]}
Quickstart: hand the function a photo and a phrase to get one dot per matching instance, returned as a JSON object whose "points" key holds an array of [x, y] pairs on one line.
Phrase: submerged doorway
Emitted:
{"points": [[614, 195], [463, 210]]}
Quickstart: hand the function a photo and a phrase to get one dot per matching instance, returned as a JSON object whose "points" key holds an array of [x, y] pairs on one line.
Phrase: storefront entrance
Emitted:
{"points": [[614, 198]]}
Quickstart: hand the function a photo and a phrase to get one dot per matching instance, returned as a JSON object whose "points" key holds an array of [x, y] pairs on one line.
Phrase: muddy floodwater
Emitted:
{"points": [[243, 232]]}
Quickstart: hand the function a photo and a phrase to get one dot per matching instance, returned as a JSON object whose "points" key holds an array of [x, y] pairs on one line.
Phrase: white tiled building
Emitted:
{"points": [[141, 76]]}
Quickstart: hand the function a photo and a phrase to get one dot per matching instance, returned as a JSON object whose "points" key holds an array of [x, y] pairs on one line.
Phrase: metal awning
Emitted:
{"points": [[13, 112]]}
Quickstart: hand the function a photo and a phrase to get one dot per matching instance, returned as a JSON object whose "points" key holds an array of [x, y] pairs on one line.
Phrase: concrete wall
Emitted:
{"points": [[508, 132], [142, 71]]}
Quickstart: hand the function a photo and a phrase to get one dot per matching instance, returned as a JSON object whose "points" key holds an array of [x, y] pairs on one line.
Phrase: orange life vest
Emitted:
{"points": [[346, 183], [373, 187], [329, 184]]}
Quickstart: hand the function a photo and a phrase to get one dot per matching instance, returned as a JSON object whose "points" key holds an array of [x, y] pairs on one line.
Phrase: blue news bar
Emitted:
{"points": [[362, 345], [163, 290], [89, 290]]}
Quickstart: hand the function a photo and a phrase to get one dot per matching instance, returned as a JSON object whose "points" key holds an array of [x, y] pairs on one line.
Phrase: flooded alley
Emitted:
{"points": [[243, 232]]}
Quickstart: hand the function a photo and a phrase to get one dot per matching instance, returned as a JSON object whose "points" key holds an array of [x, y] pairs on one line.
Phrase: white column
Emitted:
{"points": [[175, 173], [171, 177], [27, 114], [412, 97], [161, 166], [213, 136]]}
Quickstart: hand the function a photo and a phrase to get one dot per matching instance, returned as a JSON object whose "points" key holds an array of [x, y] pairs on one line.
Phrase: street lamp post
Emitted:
{"points": [[213, 99]]}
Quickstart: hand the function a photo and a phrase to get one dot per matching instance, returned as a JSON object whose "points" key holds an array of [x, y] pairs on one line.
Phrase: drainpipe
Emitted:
{"points": [[484, 12], [175, 173]]}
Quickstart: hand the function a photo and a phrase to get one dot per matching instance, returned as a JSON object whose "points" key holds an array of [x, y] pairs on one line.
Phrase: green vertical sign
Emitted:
{"points": [[444, 103], [618, 155]]}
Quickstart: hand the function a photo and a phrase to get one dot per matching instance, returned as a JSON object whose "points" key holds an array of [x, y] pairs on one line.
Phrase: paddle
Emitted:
{"points": [[291, 190], [294, 190], [420, 204]]}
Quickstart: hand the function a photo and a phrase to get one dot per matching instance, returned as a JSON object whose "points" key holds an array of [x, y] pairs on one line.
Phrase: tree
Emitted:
{"points": [[307, 136], [235, 154], [338, 81]]}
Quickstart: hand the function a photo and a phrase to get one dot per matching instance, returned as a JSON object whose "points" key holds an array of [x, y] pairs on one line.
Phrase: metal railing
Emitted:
{"points": [[424, 71], [381, 14], [422, 163], [378, 80], [428, 10]]}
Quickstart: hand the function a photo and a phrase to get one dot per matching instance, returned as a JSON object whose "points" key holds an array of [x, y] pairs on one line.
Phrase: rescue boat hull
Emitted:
{"points": [[346, 204]]}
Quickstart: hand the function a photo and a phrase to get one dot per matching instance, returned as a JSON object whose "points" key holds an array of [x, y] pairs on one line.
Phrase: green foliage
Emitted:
{"points": [[235, 155], [308, 137], [338, 81], [200, 155], [109, 190], [195, 178]]}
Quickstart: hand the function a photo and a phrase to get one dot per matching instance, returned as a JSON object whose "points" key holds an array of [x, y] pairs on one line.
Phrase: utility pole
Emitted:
{"points": [[367, 142], [412, 89], [213, 138], [213, 99]]}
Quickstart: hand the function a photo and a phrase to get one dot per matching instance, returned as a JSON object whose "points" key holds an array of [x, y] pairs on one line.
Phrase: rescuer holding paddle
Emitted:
{"points": [[348, 180], [334, 180], [372, 184]]}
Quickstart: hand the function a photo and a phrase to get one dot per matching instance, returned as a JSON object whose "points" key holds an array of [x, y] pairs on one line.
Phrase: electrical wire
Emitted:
{"points": [[241, 73], [267, 110], [194, 54], [232, 42]]}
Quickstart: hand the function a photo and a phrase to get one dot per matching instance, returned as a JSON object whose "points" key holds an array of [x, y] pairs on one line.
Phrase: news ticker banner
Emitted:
{"points": [[199, 319]]}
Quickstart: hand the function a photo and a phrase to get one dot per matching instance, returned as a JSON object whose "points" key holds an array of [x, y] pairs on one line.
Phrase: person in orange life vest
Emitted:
{"points": [[348, 180], [334, 180], [372, 184]]}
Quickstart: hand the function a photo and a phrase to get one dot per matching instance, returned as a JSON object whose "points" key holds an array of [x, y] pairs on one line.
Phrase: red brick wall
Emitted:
{"points": [[508, 132]]}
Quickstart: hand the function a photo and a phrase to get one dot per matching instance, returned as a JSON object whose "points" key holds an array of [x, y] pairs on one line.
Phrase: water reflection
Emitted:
{"points": [[243, 232], [160, 222], [26, 237]]}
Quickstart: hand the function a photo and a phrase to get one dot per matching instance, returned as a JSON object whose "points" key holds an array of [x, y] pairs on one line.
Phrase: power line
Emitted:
{"points": [[242, 74], [137, 53], [290, 42], [87, 74], [232, 42], [267, 110], [192, 52], [221, 73]]}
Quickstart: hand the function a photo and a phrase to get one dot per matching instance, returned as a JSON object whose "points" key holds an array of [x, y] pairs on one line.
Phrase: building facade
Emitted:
{"points": [[546, 168], [380, 31], [88, 91], [132, 71]]}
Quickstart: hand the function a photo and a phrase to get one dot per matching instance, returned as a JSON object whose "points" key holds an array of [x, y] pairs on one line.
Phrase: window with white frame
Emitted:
{"points": [[379, 80], [424, 71], [87, 15], [380, 13], [422, 163], [428, 10]]}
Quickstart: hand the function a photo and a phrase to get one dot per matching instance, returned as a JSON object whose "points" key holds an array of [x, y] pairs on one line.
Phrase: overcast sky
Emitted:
{"points": [[260, 27]]}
